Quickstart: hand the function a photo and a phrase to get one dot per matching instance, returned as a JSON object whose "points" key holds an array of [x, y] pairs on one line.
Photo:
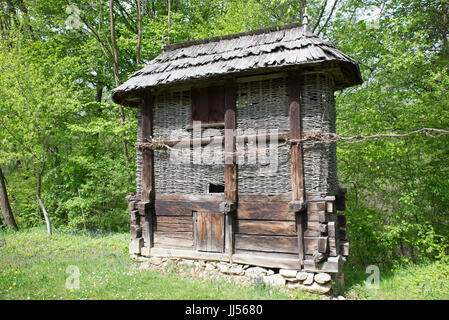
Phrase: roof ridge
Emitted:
{"points": [[270, 29]]}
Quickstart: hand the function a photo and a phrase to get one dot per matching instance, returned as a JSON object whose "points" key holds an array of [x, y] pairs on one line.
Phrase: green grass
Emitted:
{"points": [[34, 265], [428, 281]]}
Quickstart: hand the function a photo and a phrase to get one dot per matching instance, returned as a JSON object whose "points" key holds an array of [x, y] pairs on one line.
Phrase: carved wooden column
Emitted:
{"points": [[298, 203]]}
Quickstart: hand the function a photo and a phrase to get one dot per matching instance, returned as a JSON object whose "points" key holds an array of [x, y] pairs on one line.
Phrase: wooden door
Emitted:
{"points": [[209, 231]]}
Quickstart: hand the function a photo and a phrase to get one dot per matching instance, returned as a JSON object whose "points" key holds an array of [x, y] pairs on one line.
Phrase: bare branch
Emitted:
{"points": [[328, 17], [320, 16]]}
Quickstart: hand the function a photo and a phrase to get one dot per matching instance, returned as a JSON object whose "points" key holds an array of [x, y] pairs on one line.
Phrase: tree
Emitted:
{"points": [[4, 204]]}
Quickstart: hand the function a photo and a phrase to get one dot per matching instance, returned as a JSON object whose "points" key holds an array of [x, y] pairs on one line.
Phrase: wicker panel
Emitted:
{"points": [[264, 105], [318, 114], [317, 103], [175, 171], [180, 171], [171, 115], [261, 105], [259, 179]]}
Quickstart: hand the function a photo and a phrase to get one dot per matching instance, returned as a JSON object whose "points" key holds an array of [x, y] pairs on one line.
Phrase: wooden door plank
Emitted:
{"points": [[216, 233]]}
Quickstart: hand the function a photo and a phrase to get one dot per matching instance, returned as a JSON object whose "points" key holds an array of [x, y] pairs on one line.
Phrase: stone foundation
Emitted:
{"points": [[290, 280]]}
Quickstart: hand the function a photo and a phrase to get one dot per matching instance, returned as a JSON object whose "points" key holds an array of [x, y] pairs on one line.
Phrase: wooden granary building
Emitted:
{"points": [[227, 166]]}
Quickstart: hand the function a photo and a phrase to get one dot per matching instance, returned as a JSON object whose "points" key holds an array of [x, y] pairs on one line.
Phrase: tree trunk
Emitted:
{"points": [[169, 22], [139, 32], [5, 205], [116, 77], [39, 199], [445, 9]]}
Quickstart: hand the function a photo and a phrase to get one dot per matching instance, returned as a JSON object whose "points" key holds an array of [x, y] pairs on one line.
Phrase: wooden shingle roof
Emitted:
{"points": [[276, 47]]}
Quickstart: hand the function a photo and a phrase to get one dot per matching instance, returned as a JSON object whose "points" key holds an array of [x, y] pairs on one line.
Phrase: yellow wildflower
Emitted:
{"points": [[14, 284], [10, 288]]}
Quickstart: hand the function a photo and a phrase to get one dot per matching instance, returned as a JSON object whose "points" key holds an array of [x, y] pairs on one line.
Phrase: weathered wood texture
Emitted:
{"points": [[147, 197], [264, 211], [230, 166], [209, 231], [146, 110], [264, 259], [173, 224], [173, 239], [184, 207], [280, 244], [208, 104], [190, 197], [296, 150], [256, 50], [258, 227], [296, 156]]}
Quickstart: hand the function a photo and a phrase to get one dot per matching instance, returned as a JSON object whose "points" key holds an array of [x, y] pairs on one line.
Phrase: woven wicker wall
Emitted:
{"points": [[318, 114], [261, 105]]}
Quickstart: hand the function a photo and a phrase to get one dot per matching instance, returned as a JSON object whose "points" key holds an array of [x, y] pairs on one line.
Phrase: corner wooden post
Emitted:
{"points": [[148, 196], [230, 166], [296, 153]]}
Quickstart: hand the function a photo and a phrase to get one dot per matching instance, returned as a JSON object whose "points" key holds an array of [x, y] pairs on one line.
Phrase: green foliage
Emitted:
{"points": [[397, 187], [426, 281], [55, 107]]}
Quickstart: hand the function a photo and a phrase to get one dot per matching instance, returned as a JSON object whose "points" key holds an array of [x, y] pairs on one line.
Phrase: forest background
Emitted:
{"points": [[67, 152]]}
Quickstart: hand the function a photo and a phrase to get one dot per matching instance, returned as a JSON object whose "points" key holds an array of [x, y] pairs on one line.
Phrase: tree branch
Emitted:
{"points": [[328, 17], [320, 16]]}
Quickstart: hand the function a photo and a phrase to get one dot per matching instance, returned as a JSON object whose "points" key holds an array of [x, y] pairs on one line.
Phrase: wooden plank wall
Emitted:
{"points": [[173, 222], [264, 224]]}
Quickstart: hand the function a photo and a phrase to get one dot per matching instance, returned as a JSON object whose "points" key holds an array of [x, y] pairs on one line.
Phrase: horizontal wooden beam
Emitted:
{"points": [[219, 197], [184, 208], [258, 227], [280, 244], [264, 211], [267, 260], [312, 197], [173, 223]]}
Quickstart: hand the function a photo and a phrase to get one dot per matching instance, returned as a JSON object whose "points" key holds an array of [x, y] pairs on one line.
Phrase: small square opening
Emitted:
{"points": [[215, 188]]}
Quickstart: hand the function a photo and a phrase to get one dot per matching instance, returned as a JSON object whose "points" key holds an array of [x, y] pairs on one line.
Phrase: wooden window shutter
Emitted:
{"points": [[208, 104]]}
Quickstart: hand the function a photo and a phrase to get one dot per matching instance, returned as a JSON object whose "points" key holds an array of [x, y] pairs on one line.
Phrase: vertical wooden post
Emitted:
{"points": [[296, 153], [230, 166], [148, 195]]}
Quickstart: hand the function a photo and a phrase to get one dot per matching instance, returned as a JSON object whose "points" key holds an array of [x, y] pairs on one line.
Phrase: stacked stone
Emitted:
{"points": [[319, 283]]}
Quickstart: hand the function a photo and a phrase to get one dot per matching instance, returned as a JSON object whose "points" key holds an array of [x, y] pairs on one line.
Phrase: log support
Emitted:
{"points": [[141, 208], [298, 203], [230, 167]]}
